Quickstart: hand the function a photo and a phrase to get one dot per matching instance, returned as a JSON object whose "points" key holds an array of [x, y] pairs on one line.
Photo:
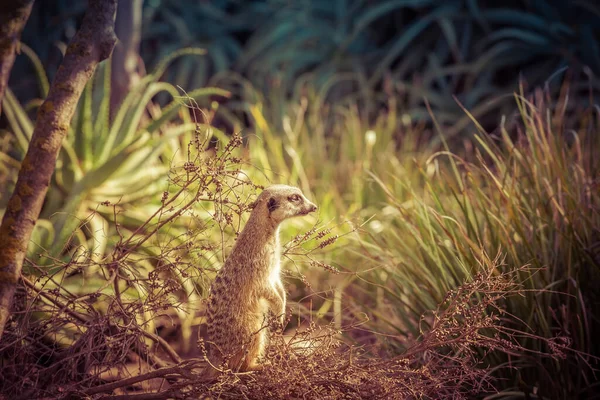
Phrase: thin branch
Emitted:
{"points": [[62, 306], [167, 394], [164, 344], [180, 369]]}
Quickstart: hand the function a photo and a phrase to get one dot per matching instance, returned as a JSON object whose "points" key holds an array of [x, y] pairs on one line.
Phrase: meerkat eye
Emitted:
{"points": [[294, 198]]}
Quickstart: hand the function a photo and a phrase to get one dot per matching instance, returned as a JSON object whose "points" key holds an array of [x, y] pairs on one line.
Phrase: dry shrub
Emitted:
{"points": [[82, 317], [447, 361]]}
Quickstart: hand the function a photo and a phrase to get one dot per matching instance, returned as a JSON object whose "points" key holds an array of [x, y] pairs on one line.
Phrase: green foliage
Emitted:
{"points": [[366, 50], [527, 194], [330, 96], [370, 50], [432, 214], [121, 160], [424, 270]]}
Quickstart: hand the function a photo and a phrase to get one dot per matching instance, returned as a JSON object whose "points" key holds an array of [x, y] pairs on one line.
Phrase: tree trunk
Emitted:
{"points": [[93, 43], [13, 16]]}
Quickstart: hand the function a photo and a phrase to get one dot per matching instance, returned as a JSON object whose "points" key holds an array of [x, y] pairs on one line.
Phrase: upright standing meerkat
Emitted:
{"points": [[249, 285]]}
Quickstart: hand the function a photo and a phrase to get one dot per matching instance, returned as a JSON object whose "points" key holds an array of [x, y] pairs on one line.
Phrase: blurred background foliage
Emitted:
{"points": [[333, 96], [351, 51]]}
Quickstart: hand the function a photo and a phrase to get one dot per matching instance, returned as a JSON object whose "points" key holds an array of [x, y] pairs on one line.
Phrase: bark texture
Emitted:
{"points": [[93, 43], [13, 17]]}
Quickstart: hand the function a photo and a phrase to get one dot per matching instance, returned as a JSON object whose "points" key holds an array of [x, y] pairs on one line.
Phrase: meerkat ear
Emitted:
{"points": [[272, 204]]}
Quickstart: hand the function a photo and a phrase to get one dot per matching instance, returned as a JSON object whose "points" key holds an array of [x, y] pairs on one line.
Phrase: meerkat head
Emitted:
{"points": [[280, 202]]}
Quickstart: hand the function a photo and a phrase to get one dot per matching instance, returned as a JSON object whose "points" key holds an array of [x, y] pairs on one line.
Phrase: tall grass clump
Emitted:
{"points": [[430, 210], [528, 190]]}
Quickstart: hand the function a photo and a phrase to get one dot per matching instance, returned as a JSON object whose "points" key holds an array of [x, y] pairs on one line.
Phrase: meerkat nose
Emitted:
{"points": [[312, 207]]}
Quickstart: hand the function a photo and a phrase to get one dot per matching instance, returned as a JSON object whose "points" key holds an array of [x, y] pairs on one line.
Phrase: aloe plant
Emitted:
{"points": [[121, 161]]}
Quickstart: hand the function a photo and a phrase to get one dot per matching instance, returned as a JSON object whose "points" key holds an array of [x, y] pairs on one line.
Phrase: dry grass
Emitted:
{"points": [[444, 362], [107, 358]]}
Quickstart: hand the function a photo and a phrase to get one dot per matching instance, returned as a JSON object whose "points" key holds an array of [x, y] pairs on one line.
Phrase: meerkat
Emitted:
{"points": [[249, 286]]}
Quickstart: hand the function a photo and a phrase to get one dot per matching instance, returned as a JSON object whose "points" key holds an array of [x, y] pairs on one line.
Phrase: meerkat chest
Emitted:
{"points": [[275, 268], [275, 273]]}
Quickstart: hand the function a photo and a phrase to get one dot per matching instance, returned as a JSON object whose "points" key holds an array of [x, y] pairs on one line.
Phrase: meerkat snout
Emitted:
{"points": [[311, 208]]}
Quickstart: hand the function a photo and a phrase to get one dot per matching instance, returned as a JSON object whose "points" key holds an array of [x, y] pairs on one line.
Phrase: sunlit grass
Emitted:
{"points": [[528, 192]]}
